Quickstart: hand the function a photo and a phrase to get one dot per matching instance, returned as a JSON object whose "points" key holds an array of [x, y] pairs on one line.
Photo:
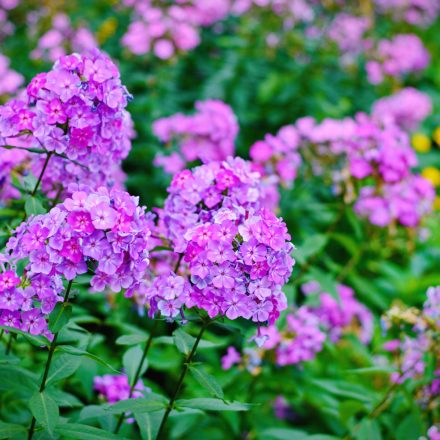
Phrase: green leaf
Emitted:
{"points": [[38, 341], [59, 316], [282, 434], [11, 430], [77, 431], [149, 424], [79, 352], [372, 370], [411, 426], [131, 339], [45, 410], [131, 361], [150, 403], [168, 340], [32, 206], [208, 404], [183, 341], [63, 365], [311, 246], [344, 389], [17, 378], [63, 399], [369, 430], [207, 381]]}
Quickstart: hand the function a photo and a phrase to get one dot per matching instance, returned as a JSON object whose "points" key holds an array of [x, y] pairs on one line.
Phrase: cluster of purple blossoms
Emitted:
{"points": [[10, 80], [26, 301], [415, 346], [103, 232], [115, 387], [376, 153], [406, 202], [61, 38], [165, 29], [308, 327], [76, 110], [403, 55], [406, 108], [382, 151], [278, 155], [348, 32], [414, 12], [300, 340], [433, 433], [208, 135], [237, 253], [339, 314]]}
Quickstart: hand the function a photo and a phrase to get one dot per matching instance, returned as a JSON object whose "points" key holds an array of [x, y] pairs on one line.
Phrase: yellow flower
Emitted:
{"points": [[106, 30], [421, 142], [436, 135], [432, 174], [437, 203]]}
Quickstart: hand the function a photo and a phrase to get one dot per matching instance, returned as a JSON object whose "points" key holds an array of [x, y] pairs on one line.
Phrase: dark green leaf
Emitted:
{"points": [[59, 316], [208, 404], [11, 430], [207, 381], [63, 365], [131, 339], [131, 360], [33, 206], [75, 431], [45, 410], [79, 352]]}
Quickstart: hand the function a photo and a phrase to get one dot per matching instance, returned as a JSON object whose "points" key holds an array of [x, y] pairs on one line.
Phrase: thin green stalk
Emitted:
{"points": [[52, 347], [138, 373], [9, 346], [185, 368], [40, 177]]}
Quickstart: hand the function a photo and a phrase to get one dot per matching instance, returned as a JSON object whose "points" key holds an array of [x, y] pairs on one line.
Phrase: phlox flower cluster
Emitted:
{"points": [[415, 12], [278, 155], [165, 29], [25, 302], [207, 135], [61, 38], [348, 32], [307, 327], [433, 433], [340, 314], [400, 56], [418, 333], [375, 154], [237, 253], [406, 108], [103, 232], [77, 110], [10, 80], [405, 202], [379, 150], [115, 387]]}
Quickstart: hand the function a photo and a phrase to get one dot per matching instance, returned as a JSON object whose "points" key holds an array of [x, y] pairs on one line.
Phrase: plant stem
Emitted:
{"points": [[52, 347], [40, 177], [181, 378], [138, 373], [9, 346]]}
